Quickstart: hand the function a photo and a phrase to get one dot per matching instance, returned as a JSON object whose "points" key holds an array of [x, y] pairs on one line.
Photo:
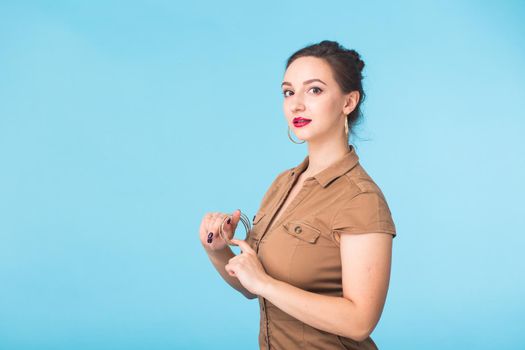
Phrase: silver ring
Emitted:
{"points": [[246, 223]]}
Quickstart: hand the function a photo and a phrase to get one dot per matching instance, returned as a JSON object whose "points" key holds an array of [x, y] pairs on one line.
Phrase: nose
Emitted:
{"points": [[296, 104]]}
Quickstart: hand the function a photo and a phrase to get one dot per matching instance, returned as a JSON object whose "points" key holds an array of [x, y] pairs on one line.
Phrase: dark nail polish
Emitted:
{"points": [[210, 235], [228, 221], [210, 240]]}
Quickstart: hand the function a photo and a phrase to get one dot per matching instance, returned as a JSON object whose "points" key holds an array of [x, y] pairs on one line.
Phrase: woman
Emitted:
{"points": [[319, 253]]}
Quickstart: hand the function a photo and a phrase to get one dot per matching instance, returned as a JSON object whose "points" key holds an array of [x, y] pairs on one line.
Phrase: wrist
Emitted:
{"points": [[269, 284], [219, 254]]}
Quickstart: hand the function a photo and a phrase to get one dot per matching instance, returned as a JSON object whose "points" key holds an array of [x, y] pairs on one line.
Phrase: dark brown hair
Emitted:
{"points": [[347, 67]]}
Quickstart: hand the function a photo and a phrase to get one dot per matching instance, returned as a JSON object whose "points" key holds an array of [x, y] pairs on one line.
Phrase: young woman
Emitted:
{"points": [[319, 254]]}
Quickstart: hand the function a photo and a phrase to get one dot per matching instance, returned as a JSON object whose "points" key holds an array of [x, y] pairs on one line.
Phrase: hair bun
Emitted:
{"points": [[334, 47], [360, 64]]}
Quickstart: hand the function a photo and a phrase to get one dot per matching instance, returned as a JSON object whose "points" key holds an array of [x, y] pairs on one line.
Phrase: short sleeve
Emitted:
{"points": [[367, 212]]}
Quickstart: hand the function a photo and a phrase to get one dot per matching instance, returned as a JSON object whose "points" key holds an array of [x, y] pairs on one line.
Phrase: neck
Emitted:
{"points": [[323, 154]]}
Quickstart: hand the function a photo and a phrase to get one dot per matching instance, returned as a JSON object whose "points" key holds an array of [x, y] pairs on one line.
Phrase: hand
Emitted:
{"points": [[248, 269], [209, 230]]}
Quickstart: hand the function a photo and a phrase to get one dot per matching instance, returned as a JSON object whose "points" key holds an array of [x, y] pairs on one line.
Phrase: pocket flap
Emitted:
{"points": [[302, 230]]}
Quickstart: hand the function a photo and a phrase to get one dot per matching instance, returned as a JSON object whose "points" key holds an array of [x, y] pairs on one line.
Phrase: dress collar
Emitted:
{"points": [[327, 175]]}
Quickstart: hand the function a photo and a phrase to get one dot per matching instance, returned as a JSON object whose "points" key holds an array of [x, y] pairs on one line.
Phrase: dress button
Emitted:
{"points": [[298, 229]]}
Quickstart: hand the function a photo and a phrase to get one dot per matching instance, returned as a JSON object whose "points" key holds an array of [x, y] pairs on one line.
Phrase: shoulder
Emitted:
{"points": [[279, 178], [358, 181], [274, 187], [363, 207], [284, 173]]}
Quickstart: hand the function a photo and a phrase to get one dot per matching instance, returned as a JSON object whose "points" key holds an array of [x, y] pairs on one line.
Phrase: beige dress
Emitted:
{"points": [[302, 247]]}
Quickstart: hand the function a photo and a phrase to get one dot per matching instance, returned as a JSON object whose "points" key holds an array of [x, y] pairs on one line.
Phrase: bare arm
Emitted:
{"points": [[366, 272], [336, 315]]}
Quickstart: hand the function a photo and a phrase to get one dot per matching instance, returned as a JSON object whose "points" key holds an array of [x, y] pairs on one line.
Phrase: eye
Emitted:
{"points": [[284, 93], [315, 87]]}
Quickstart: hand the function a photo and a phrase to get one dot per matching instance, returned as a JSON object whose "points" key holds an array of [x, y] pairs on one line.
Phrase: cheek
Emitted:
{"points": [[328, 110], [287, 112], [323, 105]]}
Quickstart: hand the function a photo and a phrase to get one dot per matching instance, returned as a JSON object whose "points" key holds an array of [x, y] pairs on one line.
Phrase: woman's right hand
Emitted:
{"points": [[209, 229]]}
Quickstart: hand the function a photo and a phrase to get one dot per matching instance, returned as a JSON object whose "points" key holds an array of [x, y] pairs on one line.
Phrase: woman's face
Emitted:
{"points": [[311, 92]]}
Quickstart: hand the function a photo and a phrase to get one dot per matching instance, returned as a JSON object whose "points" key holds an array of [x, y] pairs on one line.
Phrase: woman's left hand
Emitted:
{"points": [[248, 269]]}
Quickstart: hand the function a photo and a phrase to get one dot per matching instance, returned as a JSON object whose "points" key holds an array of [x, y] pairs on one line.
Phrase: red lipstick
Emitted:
{"points": [[300, 121]]}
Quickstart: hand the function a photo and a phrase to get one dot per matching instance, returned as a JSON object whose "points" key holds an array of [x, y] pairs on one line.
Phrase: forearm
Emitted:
{"points": [[219, 259], [336, 315]]}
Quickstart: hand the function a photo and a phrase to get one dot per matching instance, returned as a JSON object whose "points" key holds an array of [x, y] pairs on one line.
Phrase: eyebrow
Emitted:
{"points": [[304, 83]]}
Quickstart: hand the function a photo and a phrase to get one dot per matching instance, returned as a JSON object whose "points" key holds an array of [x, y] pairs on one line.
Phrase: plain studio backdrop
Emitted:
{"points": [[123, 123]]}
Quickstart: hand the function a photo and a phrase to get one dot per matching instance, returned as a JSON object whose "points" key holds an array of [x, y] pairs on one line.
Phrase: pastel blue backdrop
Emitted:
{"points": [[123, 123]]}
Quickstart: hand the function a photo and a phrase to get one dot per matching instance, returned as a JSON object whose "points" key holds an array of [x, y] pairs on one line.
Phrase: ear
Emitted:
{"points": [[351, 101]]}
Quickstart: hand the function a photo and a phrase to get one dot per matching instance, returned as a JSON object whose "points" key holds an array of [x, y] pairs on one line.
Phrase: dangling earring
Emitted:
{"points": [[291, 137], [346, 132]]}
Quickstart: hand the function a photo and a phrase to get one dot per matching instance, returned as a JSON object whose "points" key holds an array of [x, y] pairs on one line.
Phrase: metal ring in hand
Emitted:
{"points": [[247, 226]]}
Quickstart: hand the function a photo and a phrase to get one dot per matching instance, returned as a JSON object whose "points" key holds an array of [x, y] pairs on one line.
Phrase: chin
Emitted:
{"points": [[304, 134]]}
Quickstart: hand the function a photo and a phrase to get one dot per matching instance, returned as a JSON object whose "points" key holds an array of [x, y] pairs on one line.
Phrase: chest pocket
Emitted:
{"points": [[302, 230]]}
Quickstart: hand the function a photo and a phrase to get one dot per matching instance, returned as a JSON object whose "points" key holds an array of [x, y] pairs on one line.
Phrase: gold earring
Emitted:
{"points": [[291, 137], [346, 126]]}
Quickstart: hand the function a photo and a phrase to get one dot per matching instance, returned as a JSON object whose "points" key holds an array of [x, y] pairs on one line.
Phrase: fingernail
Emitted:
{"points": [[210, 237], [228, 221]]}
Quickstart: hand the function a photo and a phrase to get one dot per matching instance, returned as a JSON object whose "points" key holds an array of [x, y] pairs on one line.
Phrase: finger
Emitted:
{"points": [[236, 216], [245, 247], [210, 227], [227, 225], [217, 218], [213, 228], [218, 221], [230, 225], [229, 269]]}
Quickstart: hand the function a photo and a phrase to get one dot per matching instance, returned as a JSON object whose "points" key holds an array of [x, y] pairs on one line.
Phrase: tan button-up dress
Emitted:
{"points": [[302, 247]]}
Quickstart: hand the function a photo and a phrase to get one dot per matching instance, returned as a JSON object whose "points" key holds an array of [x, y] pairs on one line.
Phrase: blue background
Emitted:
{"points": [[123, 123]]}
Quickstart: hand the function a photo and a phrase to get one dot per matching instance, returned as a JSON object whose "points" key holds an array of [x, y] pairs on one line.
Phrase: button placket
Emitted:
{"points": [[267, 324], [300, 196]]}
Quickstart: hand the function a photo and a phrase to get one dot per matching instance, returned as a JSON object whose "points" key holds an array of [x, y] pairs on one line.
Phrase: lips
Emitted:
{"points": [[301, 121]]}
